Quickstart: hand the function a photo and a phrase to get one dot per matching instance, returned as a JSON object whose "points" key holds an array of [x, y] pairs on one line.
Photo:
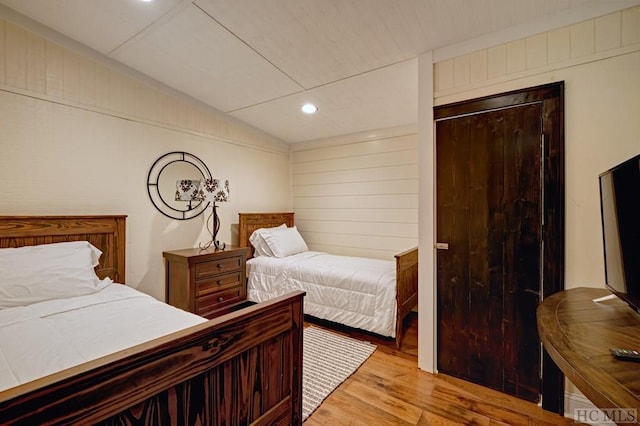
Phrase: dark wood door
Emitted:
{"points": [[551, 98], [489, 212]]}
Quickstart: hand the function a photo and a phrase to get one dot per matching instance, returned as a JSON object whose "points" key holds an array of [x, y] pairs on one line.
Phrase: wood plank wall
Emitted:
{"points": [[359, 196], [569, 46], [36, 66]]}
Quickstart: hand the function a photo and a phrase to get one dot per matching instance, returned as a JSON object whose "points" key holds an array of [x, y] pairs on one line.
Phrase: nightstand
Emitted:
{"points": [[209, 282]]}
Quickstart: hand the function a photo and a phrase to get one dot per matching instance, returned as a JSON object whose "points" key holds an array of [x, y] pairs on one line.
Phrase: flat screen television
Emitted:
{"points": [[620, 210]]}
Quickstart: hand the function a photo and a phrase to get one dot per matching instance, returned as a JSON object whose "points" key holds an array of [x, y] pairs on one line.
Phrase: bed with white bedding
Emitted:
{"points": [[370, 294], [64, 333], [365, 300], [78, 347]]}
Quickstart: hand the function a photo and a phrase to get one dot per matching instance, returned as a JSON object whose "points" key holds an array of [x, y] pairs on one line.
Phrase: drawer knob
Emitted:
{"points": [[219, 266], [219, 282], [220, 299]]}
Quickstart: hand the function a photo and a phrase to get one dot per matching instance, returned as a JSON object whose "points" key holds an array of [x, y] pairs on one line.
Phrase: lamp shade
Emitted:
{"points": [[189, 190], [215, 190]]}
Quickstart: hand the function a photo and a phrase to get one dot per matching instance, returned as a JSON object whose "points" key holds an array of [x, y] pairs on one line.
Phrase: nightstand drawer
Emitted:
{"points": [[220, 299], [218, 266], [218, 283]]}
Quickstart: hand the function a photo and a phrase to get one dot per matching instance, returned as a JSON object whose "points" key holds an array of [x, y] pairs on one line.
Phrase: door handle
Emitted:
{"points": [[442, 246]]}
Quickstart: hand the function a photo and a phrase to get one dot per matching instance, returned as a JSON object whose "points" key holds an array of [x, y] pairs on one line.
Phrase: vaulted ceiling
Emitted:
{"points": [[260, 60]]}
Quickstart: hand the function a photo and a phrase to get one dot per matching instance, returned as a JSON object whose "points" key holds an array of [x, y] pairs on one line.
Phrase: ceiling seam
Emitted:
{"points": [[177, 8], [250, 47], [319, 86]]}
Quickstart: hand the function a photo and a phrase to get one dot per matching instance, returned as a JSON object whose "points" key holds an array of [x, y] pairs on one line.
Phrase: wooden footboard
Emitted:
{"points": [[241, 368], [406, 287]]}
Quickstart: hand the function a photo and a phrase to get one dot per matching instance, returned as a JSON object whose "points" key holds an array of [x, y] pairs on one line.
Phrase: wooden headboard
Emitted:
{"points": [[107, 233], [249, 222]]}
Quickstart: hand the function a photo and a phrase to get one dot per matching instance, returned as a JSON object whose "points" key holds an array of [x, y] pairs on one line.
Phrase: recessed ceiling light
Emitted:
{"points": [[309, 108]]}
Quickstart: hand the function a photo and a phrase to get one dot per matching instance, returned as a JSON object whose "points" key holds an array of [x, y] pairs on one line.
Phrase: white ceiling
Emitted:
{"points": [[260, 60]]}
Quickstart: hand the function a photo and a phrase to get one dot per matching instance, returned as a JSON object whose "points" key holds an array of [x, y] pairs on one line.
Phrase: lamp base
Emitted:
{"points": [[216, 227], [216, 244]]}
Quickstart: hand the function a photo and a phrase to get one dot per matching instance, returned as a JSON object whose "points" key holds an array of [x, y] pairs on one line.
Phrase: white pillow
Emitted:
{"points": [[285, 241], [50, 271], [257, 241]]}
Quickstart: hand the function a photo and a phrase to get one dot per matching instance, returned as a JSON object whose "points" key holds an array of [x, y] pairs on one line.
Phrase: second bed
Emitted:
{"points": [[370, 294]]}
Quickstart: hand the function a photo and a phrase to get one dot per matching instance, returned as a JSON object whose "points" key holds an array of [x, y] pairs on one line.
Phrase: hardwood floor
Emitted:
{"points": [[389, 389]]}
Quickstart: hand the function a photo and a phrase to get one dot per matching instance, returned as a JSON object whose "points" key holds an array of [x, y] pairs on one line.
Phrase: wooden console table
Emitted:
{"points": [[577, 333]]}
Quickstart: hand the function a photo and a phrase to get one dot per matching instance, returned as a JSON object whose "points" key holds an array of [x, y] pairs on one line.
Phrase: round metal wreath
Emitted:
{"points": [[161, 182]]}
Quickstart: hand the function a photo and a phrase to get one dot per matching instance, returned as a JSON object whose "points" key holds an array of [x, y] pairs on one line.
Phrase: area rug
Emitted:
{"points": [[328, 360]]}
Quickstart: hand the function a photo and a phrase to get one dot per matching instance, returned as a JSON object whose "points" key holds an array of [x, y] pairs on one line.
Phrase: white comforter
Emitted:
{"points": [[46, 337], [354, 291]]}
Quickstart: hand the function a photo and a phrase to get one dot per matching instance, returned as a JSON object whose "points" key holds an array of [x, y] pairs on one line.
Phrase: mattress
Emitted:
{"points": [[354, 291], [46, 337]]}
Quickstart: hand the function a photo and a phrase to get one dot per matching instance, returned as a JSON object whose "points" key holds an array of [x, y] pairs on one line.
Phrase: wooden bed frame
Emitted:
{"points": [[241, 368], [406, 262]]}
